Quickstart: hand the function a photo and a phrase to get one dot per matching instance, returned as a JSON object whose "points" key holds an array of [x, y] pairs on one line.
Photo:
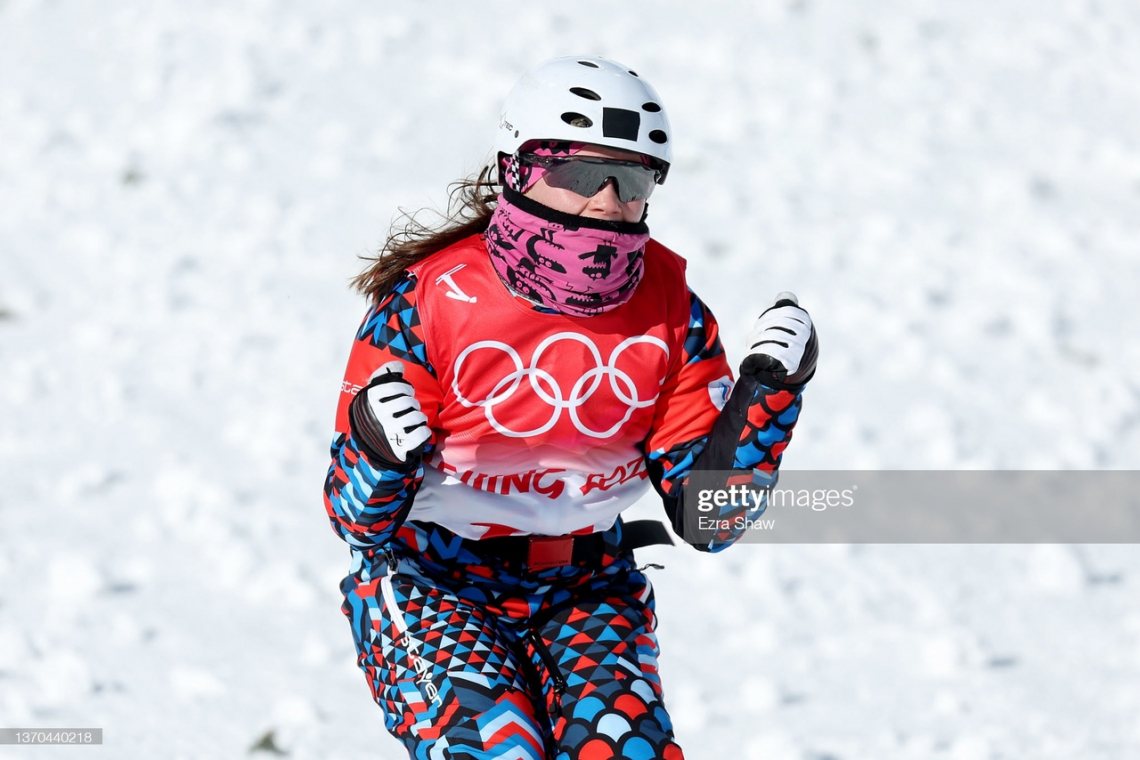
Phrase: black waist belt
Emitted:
{"points": [[542, 552], [639, 533]]}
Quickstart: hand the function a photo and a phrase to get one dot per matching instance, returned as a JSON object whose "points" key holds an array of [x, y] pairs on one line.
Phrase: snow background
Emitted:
{"points": [[953, 190]]}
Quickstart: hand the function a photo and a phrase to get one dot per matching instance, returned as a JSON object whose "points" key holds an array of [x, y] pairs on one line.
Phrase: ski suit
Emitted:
{"points": [[477, 639]]}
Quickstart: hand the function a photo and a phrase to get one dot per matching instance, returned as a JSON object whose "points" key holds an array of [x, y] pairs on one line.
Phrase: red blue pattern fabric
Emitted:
{"points": [[365, 503], [394, 324], [749, 437], [568, 670]]}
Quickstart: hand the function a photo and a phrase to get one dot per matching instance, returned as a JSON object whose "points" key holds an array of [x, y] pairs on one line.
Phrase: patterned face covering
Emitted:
{"points": [[571, 264]]}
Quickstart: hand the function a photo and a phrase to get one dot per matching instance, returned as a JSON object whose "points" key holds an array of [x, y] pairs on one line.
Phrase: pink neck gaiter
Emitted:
{"points": [[571, 264]]}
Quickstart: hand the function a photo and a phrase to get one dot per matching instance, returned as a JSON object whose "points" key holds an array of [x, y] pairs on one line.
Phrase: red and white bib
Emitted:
{"points": [[541, 418]]}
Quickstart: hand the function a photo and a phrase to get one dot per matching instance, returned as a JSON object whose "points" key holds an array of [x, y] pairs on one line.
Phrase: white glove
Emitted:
{"points": [[386, 419], [782, 347]]}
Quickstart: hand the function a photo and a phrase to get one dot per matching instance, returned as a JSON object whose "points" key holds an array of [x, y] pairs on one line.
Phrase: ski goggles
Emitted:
{"points": [[586, 175]]}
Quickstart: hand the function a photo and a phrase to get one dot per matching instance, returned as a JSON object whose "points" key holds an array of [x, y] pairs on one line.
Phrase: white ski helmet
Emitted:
{"points": [[586, 99]]}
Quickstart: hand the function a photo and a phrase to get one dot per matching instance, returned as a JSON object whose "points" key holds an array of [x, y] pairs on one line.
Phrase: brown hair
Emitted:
{"points": [[471, 202]]}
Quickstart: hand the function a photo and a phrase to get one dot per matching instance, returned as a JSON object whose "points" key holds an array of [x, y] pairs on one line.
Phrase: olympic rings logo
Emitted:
{"points": [[547, 388]]}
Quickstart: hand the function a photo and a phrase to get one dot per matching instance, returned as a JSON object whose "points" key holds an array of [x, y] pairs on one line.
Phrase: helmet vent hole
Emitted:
{"points": [[651, 107], [578, 120], [635, 74], [582, 92], [658, 137], [591, 64]]}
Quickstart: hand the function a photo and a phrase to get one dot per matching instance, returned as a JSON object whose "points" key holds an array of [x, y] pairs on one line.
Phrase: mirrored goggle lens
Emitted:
{"points": [[584, 176]]}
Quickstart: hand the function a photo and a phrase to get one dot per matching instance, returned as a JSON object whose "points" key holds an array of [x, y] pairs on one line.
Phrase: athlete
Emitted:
{"points": [[524, 374]]}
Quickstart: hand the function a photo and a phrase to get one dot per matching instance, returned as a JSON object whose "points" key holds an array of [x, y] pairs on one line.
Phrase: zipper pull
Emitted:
{"points": [[390, 558], [549, 661]]}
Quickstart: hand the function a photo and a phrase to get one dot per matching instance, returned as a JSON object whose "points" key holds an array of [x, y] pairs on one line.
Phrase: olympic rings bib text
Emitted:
{"points": [[548, 390]]}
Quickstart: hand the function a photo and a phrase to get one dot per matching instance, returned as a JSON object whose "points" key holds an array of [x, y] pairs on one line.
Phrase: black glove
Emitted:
{"points": [[782, 347], [387, 422]]}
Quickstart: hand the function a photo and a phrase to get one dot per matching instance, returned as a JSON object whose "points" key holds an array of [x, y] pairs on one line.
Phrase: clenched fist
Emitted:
{"points": [[782, 347], [386, 419]]}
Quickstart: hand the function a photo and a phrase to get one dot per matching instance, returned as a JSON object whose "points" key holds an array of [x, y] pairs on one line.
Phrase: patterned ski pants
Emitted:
{"points": [[564, 673]]}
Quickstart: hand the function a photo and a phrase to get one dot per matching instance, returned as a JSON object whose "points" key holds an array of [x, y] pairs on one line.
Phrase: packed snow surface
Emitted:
{"points": [[952, 189]]}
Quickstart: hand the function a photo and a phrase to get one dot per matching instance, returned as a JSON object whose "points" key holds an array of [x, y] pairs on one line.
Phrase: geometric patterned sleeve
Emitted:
{"points": [[366, 503], [750, 436], [690, 401], [749, 433]]}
